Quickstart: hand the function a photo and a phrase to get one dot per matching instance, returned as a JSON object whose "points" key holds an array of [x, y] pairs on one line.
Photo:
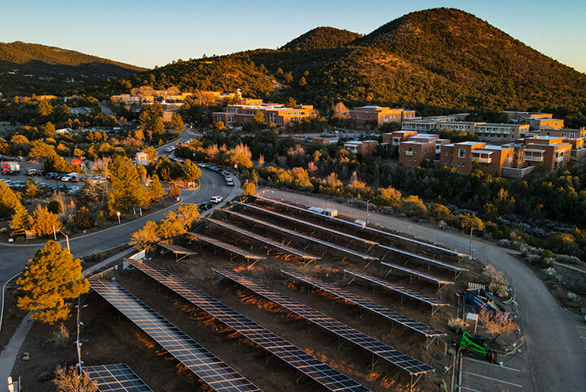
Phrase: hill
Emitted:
{"points": [[32, 68], [322, 38], [434, 60]]}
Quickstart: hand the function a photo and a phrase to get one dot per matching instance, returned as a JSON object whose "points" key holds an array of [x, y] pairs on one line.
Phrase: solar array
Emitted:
{"points": [[309, 224], [393, 356], [414, 273], [303, 236], [400, 289], [368, 304], [305, 363], [224, 245], [177, 250], [205, 365], [115, 378], [454, 268], [439, 248], [266, 240]]}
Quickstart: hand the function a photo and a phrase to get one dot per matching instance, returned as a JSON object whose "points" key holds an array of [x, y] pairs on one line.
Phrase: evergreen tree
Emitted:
{"points": [[146, 237], [191, 171], [20, 221], [155, 188], [8, 200], [50, 278], [126, 189], [176, 125], [44, 222]]}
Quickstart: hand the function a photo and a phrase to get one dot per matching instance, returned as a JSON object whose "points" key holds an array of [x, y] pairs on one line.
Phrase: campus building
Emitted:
{"points": [[491, 159], [361, 117], [420, 147], [278, 114]]}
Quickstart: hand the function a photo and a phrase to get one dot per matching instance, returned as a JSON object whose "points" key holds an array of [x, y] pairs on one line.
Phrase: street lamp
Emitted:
{"points": [[66, 237], [118, 213]]}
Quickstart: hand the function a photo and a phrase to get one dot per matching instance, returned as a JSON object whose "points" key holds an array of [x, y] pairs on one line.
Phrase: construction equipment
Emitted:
{"points": [[476, 344]]}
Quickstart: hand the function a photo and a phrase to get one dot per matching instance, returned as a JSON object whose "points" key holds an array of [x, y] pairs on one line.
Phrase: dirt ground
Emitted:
{"points": [[108, 337]]}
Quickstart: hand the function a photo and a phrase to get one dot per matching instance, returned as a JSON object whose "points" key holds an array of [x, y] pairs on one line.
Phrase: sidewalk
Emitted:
{"points": [[11, 352], [9, 355]]}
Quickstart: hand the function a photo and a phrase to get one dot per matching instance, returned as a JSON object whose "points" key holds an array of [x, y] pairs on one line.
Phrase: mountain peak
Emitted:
{"points": [[322, 38]]}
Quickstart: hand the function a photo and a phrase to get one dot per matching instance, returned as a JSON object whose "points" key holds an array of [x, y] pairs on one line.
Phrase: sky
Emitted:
{"points": [[151, 33]]}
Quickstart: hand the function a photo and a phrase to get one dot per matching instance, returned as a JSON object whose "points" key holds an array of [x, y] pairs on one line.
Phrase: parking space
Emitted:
{"points": [[482, 376]]}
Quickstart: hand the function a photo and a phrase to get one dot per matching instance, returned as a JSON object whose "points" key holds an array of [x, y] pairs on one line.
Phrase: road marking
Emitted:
{"points": [[582, 337], [469, 389], [494, 364], [494, 379], [580, 327]]}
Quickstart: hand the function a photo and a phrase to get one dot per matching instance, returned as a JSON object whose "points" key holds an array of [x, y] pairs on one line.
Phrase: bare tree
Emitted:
{"points": [[497, 324], [67, 379]]}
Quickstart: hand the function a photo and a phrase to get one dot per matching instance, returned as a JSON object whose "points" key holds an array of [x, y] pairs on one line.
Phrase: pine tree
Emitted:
{"points": [[44, 222], [126, 189], [8, 200], [20, 221], [155, 188], [50, 278], [191, 171], [144, 238], [176, 125]]}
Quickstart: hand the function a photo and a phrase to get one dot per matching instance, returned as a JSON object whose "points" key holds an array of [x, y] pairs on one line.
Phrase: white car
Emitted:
{"points": [[216, 199]]}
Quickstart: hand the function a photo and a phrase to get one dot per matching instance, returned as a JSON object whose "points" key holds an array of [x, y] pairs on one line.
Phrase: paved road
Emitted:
{"points": [[556, 351], [15, 256]]}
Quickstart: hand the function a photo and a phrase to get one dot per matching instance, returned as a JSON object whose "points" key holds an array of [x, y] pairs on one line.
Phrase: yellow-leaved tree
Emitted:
{"points": [[50, 279]]}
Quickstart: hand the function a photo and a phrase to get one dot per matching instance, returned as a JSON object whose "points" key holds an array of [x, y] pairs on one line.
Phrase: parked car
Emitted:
{"points": [[216, 199], [204, 206], [31, 172], [52, 176], [229, 182]]}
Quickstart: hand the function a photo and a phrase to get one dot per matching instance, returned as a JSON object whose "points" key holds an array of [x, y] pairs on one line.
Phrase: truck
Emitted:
{"points": [[10, 167], [330, 212]]}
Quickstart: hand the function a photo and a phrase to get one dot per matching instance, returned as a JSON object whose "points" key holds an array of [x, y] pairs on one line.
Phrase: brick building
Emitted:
{"points": [[278, 114], [360, 117], [417, 148]]}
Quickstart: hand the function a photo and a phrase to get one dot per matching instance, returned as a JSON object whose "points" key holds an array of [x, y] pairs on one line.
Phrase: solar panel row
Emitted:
{"points": [[304, 237], [309, 224], [223, 245], [366, 228], [307, 364], [368, 304], [413, 272], [268, 241], [115, 378], [396, 357], [205, 365], [398, 288], [425, 259]]}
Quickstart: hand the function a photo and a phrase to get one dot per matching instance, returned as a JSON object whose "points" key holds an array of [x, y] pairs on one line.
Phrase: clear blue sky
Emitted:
{"points": [[149, 32]]}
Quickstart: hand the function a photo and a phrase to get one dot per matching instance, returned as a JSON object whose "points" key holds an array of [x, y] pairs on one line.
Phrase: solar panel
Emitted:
{"points": [[115, 378], [425, 259], [309, 224], [304, 237], [205, 365], [307, 364], [223, 245], [455, 253], [400, 289], [176, 249], [413, 272], [368, 304], [391, 355], [266, 240]]}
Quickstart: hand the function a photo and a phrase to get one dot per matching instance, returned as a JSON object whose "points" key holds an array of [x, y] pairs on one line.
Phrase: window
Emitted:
{"points": [[461, 153]]}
